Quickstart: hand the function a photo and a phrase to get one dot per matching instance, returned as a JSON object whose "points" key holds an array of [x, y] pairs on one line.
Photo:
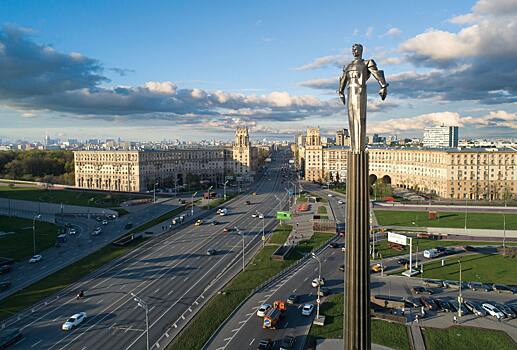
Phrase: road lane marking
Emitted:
{"points": [[170, 292], [156, 291], [252, 340], [235, 330], [243, 321], [36, 343]]}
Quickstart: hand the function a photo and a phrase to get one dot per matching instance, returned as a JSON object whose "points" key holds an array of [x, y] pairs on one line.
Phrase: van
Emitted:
{"points": [[431, 253]]}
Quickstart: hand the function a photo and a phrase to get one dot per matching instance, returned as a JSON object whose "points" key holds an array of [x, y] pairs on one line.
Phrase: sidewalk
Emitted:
{"points": [[417, 338]]}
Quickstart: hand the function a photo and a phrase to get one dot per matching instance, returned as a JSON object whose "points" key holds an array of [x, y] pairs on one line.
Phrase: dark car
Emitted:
{"points": [[324, 291], [248, 202], [334, 245], [433, 283], [211, 252], [402, 261], [475, 308], [429, 303], [4, 269], [501, 288], [479, 286], [422, 290], [341, 267], [444, 305], [292, 299], [469, 248], [506, 310], [215, 222], [265, 344], [4, 285], [287, 343]]}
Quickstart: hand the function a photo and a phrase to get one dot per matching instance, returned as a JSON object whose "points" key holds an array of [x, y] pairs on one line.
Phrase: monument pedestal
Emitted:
{"points": [[357, 332]]}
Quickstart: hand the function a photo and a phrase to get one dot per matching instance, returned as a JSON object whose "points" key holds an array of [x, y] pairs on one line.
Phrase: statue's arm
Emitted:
{"points": [[379, 76], [342, 86]]}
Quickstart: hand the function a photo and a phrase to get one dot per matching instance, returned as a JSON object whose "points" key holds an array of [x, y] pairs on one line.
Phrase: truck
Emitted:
{"points": [[340, 228], [274, 315], [209, 195], [431, 253]]}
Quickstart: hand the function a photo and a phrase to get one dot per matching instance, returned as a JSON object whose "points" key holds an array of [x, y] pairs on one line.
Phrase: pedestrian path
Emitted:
{"points": [[417, 338]]}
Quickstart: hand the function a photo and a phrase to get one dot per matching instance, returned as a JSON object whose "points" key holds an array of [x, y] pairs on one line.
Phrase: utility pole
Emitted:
{"points": [[224, 189], [34, 232], [460, 297], [154, 192], [144, 306], [192, 204], [319, 284], [242, 236], [208, 205]]}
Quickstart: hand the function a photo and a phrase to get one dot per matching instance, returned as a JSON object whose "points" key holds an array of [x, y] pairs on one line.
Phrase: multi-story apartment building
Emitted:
{"points": [[447, 173], [440, 137], [136, 171]]}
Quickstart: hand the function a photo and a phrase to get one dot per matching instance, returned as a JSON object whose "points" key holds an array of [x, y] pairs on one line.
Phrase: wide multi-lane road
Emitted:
{"points": [[172, 273]]}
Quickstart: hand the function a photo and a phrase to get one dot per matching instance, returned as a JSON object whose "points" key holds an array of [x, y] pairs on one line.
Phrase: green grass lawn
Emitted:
{"points": [[260, 269], [280, 234], [322, 210], [467, 338], [61, 279], [218, 201], [167, 216], [385, 333], [453, 220], [19, 245], [423, 244], [475, 268], [83, 198]]}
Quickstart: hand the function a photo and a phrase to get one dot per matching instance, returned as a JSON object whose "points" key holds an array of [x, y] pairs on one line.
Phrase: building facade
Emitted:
{"points": [[440, 137], [447, 173], [138, 171]]}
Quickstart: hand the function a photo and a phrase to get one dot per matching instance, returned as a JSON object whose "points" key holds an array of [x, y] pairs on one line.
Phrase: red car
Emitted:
{"points": [[228, 229]]}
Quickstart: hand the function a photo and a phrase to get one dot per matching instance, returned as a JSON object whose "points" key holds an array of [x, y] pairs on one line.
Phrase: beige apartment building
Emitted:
{"points": [[137, 171], [447, 173]]}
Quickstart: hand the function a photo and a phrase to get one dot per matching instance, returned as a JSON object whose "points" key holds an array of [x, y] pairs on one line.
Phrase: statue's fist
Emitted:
{"points": [[383, 92]]}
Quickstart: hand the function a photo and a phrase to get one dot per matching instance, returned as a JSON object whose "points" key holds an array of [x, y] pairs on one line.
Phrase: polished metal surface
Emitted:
{"points": [[355, 75]]}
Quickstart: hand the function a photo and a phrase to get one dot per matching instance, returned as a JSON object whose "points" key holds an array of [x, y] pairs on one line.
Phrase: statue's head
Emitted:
{"points": [[357, 50]]}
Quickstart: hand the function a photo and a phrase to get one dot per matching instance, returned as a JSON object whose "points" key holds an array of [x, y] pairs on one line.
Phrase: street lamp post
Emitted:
{"points": [[154, 192], [209, 188], [263, 228], [504, 229], [242, 236], [144, 306], [460, 297], [224, 189], [466, 213], [319, 284], [34, 232], [192, 204]]}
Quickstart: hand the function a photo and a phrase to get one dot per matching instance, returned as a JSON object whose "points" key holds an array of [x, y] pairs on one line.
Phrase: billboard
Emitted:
{"points": [[283, 215], [396, 238]]}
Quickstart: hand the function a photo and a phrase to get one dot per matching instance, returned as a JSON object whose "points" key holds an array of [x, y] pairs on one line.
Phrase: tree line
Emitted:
{"points": [[52, 166]]}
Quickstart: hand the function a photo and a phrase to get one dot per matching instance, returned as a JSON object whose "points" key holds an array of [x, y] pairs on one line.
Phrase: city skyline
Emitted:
{"points": [[164, 70]]}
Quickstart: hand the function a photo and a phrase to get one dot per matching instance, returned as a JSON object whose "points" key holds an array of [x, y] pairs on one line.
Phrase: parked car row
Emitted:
{"points": [[475, 286]]}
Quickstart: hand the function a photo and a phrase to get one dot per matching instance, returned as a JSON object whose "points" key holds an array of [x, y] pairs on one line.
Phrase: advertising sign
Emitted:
{"points": [[396, 238], [283, 215]]}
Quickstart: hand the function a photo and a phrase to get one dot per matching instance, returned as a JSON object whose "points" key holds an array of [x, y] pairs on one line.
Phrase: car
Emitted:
{"points": [[211, 252], [213, 223], [342, 267], [422, 290], [479, 286], [254, 215], [104, 222], [506, 310], [265, 344], [228, 229], [402, 261], [475, 308], [501, 288], [112, 217], [287, 343], [5, 285], [451, 284], [198, 222], [261, 311], [429, 303], [74, 321], [35, 258], [307, 309], [433, 283], [292, 299], [315, 282], [4, 269], [376, 267], [443, 305], [97, 231], [72, 231], [492, 310], [261, 216], [464, 310], [469, 248], [324, 291], [254, 194], [248, 202], [223, 212], [340, 202], [513, 307], [330, 195], [334, 245], [98, 218]]}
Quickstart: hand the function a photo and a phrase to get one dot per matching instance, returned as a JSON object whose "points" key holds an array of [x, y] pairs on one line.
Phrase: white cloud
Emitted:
{"points": [[325, 61], [369, 32], [392, 32], [164, 87]]}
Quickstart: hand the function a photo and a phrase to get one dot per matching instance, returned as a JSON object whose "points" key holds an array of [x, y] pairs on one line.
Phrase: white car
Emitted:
{"points": [[307, 309], [35, 258], [74, 321], [104, 222], [492, 310], [72, 231], [261, 311], [340, 202], [97, 231], [315, 282], [254, 215], [261, 216], [329, 195]]}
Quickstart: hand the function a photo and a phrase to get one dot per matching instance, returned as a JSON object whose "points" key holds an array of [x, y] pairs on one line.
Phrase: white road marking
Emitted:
{"points": [[170, 292], [241, 322], [252, 340], [235, 330], [36, 343], [156, 291]]}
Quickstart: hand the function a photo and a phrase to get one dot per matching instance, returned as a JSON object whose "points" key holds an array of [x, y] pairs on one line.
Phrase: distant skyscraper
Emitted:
{"points": [[440, 136], [342, 137]]}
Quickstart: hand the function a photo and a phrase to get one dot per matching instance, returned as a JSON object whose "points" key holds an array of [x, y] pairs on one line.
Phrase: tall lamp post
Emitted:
{"points": [[319, 284], [466, 213], [224, 189], [192, 204], [209, 188], [460, 297], [262, 216], [154, 192], [242, 236], [144, 306], [34, 232]]}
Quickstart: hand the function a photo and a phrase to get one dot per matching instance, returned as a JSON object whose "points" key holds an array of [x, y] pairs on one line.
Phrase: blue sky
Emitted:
{"points": [[197, 69]]}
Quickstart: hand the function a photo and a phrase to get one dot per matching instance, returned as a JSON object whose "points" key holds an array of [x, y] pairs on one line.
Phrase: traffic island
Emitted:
{"points": [[319, 320]]}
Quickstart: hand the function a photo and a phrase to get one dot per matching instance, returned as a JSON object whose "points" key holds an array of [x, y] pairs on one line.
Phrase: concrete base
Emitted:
{"points": [[407, 273], [356, 330], [319, 321]]}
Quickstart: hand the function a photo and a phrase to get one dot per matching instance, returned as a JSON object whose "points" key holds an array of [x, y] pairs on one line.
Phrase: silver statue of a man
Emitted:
{"points": [[355, 75]]}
